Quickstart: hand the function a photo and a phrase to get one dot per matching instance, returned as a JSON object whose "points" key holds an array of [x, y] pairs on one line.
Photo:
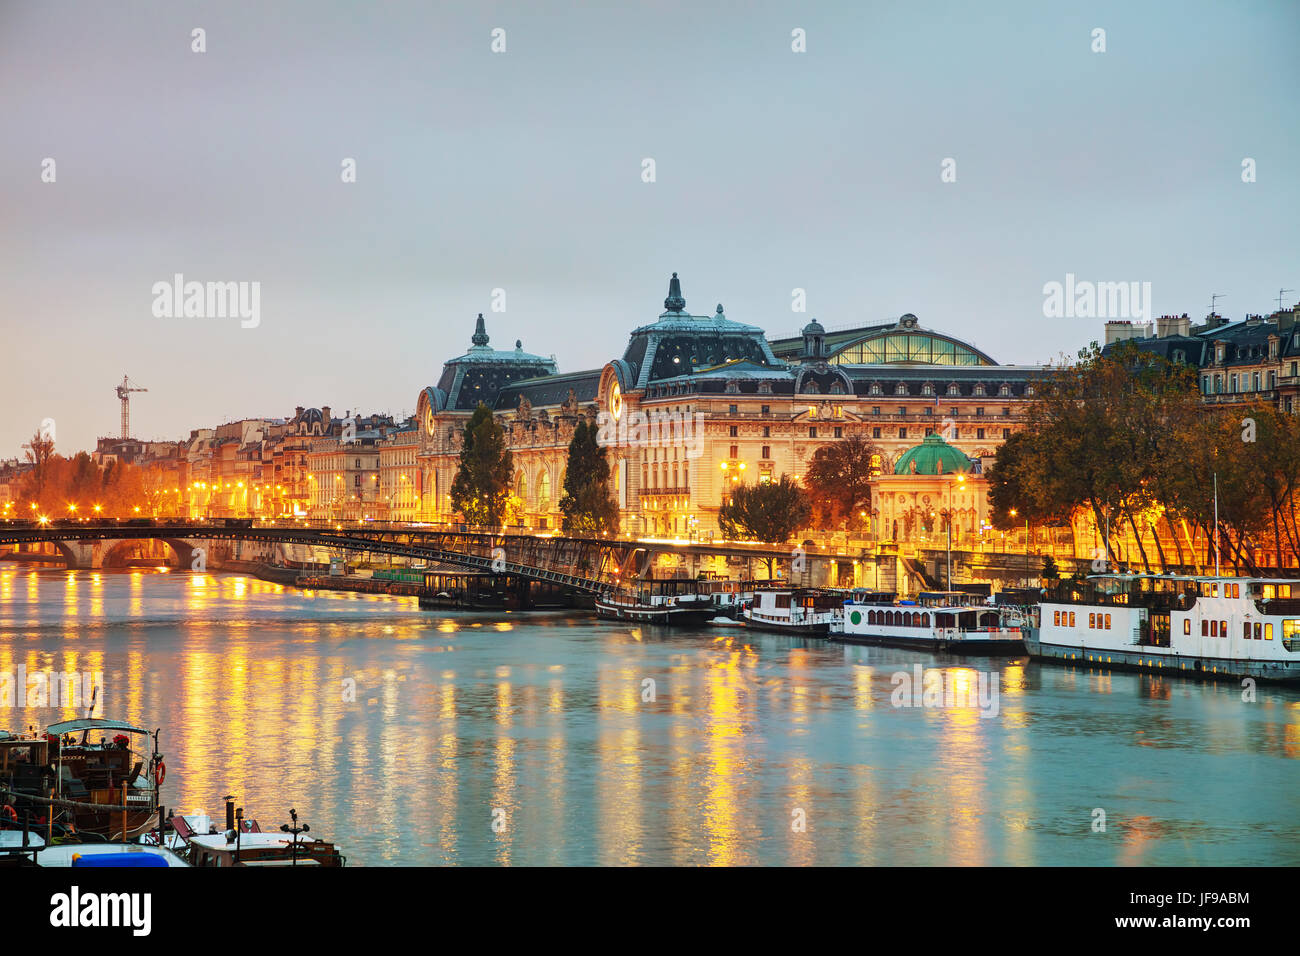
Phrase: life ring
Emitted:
{"points": [[10, 812], [159, 773]]}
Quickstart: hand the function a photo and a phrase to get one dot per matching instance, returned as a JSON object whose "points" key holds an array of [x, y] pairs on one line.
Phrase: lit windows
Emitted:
{"points": [[1187, 625]]}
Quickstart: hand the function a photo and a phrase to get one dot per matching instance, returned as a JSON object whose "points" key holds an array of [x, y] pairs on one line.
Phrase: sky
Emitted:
{"points": [[523, 170]]}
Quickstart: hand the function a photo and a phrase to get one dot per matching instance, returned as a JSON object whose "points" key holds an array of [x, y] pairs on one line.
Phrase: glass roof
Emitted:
{"points": [[912, 347]]}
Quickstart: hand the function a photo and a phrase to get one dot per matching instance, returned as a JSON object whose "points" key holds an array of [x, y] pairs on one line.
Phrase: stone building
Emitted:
{"points": [[700, 403]]}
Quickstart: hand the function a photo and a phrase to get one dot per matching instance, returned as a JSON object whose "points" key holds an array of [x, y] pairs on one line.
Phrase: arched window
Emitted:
{"points": [[953, 389], [544, 491]]}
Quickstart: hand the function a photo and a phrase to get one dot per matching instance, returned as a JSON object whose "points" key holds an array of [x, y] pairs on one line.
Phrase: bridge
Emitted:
{"points": [[589, 565]]}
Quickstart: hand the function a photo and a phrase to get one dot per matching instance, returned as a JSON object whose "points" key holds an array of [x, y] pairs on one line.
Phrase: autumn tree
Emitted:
{"points": [[768, 511], [839, 480], [481, 487]]}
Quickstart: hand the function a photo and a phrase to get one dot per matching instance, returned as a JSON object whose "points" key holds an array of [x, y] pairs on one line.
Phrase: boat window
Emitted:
{"points": [[1205, 628], [1290, 628], [1092, 620], [1214, 589], [1269, 592], [1245, 630], [1223, 629], [1214, 629], [1268, 632], [1284, 590], [1071, 619], [1108, 622], [1187, 625], [1056, 618], [1258, 630]]}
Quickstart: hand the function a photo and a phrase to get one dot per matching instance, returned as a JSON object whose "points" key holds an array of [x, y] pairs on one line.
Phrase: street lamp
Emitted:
{"points": [[1013, 514]]}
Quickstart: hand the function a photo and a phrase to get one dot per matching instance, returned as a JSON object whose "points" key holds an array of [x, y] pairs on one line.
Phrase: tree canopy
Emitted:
{"points": [[771, 511], [839, 480], [481, 489], [587, 505]]}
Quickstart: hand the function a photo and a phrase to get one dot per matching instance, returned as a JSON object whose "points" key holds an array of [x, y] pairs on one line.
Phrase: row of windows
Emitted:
{"points": [[929, 411], [1220, 629], [902, 433], [1246, 383]]}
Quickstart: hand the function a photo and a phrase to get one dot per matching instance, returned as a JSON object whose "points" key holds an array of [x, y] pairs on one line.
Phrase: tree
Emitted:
{"points": [[586, 503], [39, 452], [771, 511], [482, 484], [1050, 571], [839, 475]]}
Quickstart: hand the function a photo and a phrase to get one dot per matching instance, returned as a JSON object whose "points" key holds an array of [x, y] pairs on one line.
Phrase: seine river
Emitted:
{"points": [[497, 738]]}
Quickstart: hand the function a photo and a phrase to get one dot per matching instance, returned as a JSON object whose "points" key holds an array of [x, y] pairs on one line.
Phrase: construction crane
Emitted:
{"points": [[124, 393]]}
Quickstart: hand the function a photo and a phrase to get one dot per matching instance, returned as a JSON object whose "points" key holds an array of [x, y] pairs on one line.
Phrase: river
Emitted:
{"points": [[490, 738]]}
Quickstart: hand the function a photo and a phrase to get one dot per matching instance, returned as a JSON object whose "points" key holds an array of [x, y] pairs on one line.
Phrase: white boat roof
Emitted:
{"points": [[248, 841], [62, 854], [92, 723], [13, 840]]}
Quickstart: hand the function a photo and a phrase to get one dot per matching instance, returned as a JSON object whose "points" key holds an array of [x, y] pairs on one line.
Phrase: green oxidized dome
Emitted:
{"points": [[929, 456]]}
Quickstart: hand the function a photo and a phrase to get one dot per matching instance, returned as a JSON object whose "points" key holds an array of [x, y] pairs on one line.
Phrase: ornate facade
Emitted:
{"points": [[698, 403]]}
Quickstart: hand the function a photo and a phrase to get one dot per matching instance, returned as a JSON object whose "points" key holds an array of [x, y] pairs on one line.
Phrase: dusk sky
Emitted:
{"points": [[522, 171]]}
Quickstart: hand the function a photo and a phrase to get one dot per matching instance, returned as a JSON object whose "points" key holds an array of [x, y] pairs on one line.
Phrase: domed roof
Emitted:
{"points": [[934, 456], [813, 328]]}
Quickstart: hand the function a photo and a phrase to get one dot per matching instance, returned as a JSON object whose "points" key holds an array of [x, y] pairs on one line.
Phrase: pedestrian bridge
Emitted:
{"points": [[590, 565]]}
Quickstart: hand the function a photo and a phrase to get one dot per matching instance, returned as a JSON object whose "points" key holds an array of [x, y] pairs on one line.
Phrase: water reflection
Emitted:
{"points": [[445, 737]]}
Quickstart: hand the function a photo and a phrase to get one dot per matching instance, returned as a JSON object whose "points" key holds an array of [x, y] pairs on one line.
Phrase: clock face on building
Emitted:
{"points": [[615, 400], [428, 420]]}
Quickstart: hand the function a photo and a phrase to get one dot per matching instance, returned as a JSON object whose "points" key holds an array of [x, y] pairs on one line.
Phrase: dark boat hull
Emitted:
{"points": [[651, 614]]}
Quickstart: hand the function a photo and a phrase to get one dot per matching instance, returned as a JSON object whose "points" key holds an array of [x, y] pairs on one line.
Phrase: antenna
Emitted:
{"points": [[1280, 293], [1215, 298]]}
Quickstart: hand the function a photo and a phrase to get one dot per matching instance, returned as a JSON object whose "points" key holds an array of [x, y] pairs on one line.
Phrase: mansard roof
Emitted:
{"points": [[679, 343], [481, 373], [550, 390]]}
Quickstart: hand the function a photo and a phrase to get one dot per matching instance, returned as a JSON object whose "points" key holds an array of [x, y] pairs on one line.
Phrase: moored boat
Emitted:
{"points": [[795, 610], [67, 782], [940, 621], [243, 842], [664, 601], [1195, 626]]}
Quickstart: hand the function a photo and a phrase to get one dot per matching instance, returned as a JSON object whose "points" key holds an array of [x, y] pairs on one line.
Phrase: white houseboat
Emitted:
{"points": [[945, 621], [1194, 626], [795, 610]]}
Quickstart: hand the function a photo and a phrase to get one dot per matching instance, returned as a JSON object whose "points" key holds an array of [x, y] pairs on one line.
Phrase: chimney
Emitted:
{"points": [[297, 412], [1120, 330], [325, 414]]}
